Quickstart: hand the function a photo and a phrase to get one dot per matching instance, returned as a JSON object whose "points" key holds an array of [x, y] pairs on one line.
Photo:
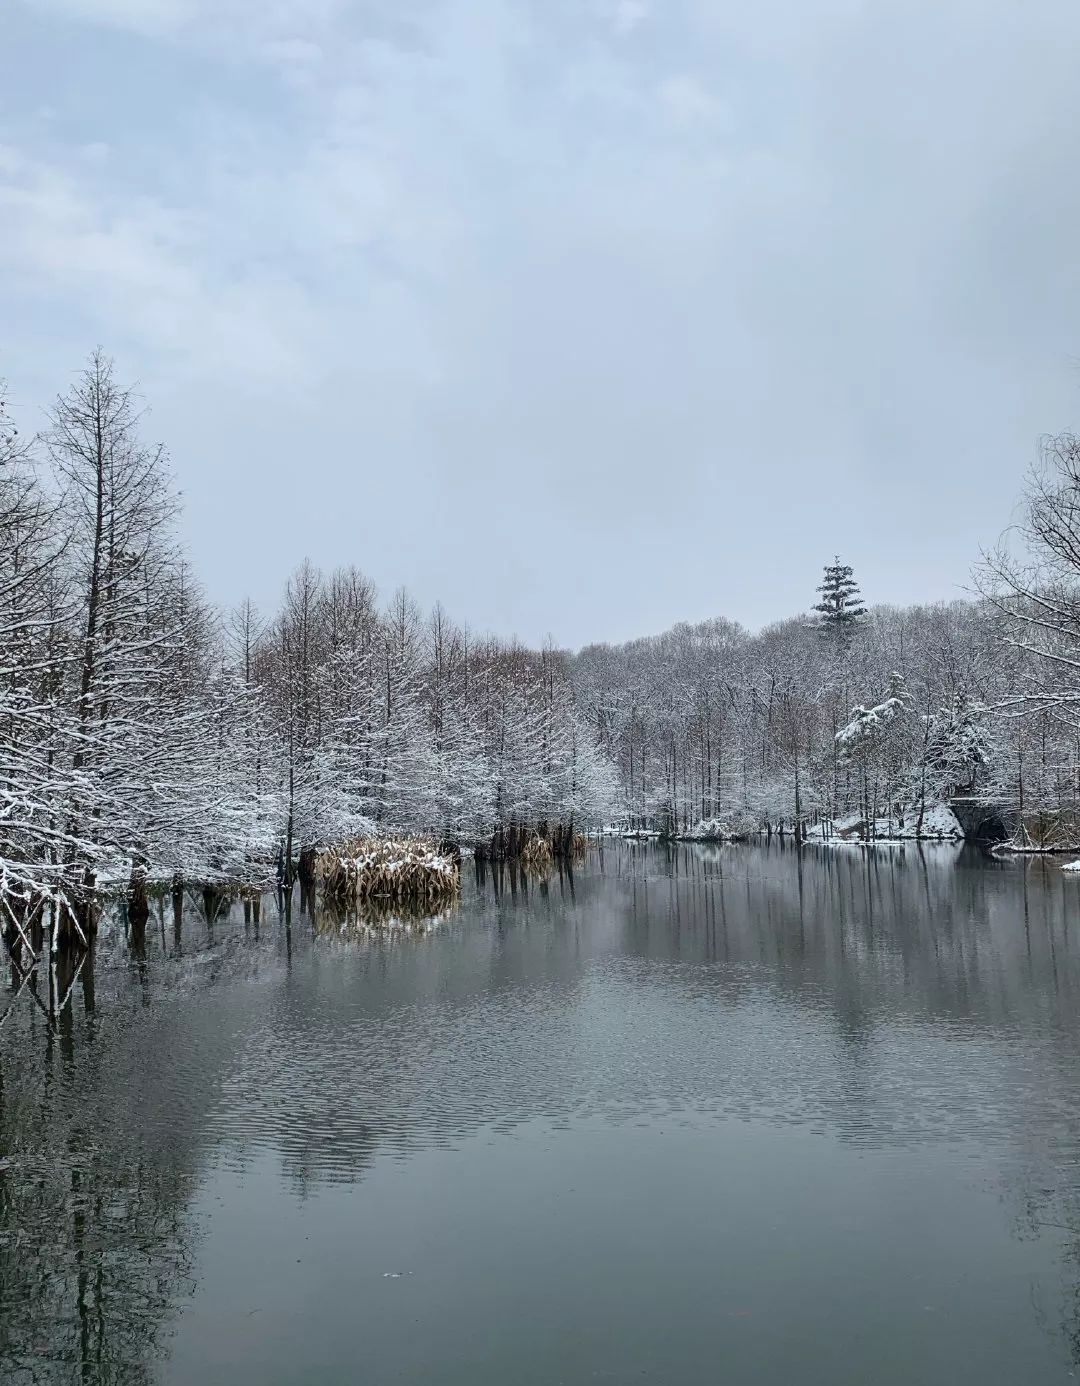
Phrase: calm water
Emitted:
{"points": [[716, 1115]]}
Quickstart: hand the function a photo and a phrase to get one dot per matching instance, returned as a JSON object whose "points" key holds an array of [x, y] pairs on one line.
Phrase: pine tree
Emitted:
{"points": [[841, 609]]}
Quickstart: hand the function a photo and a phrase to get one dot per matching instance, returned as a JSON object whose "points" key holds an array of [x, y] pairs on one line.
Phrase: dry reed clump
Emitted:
{"points": [[536, 854], [399, 870], [579, 846]]}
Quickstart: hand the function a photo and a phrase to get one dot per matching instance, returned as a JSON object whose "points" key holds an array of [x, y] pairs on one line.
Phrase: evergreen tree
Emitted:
{"points": [[841, 609]]}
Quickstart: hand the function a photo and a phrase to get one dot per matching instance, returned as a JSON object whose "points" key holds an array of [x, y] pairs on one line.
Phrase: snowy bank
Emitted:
{"points": [[733, 828], [629, 834], [939, 824]]}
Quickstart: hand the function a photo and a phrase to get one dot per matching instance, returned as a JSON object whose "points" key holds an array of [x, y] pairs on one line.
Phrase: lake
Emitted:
{"points": [[735, 1114]]}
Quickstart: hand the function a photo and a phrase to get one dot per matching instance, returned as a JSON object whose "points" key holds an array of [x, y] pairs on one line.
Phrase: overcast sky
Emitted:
{"points": [[584, 316]]}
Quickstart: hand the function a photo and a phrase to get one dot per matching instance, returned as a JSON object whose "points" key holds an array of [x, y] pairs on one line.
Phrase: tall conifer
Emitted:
{"points": [[841, 607]]}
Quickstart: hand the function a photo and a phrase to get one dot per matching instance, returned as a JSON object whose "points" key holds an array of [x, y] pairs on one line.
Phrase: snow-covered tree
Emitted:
{"points": [[876, 743], [840, 610], [141, 732], [116, 512], [960, 746], [35, 659]]}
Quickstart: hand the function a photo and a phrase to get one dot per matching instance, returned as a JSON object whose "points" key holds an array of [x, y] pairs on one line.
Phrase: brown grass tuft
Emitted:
{"points": [[408, 871], [536, 854]]}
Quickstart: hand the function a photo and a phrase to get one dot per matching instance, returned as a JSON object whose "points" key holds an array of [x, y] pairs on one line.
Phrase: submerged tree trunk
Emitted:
{"points": [[76, 920], [305, 869], [138, 901]]}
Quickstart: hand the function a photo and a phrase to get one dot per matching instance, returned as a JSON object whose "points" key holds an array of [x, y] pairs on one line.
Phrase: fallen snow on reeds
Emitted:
{"points": [[401, 870]]}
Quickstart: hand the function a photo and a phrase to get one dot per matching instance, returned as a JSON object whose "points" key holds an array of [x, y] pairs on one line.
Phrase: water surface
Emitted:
{"points": [[733, 1114]]}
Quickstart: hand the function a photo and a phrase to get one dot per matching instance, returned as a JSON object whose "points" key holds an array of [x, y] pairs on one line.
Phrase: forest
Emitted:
{"points": [[142, 730]]}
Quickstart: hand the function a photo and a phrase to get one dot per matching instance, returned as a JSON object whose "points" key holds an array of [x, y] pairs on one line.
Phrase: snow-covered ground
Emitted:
{"points": [[939, 823], [731, 828]]}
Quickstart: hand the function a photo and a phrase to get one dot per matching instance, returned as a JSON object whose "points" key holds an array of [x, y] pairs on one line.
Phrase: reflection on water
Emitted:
{"points": [[378, 919], [907, 1006]]}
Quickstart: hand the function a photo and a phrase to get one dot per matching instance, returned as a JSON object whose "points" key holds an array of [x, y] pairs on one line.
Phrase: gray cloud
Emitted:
{"points": [[583, 318]]}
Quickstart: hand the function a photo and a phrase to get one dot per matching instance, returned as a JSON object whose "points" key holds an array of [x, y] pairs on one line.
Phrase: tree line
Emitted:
{"points": [[866, 717], [141, 729]]}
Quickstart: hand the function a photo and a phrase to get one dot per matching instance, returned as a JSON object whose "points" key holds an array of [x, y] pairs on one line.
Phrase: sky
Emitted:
{"points": [[581, 316]]}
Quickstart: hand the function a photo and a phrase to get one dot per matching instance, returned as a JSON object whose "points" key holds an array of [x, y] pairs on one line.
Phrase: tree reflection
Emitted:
{"points": [[95, 1247], [324, 1037]]}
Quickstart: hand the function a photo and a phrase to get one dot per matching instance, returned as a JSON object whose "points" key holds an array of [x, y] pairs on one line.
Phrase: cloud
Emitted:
{"points": [[688, 103], [629, 15], [290, 36], [296, 59], [797, 249], [96, 152], [149, 17], [141, 267]]}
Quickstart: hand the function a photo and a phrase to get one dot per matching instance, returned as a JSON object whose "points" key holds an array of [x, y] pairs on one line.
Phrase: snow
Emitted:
{"points": [[868, 723], [393, 855], [1071, 866], [938, 823], [730, 828], [630, 834]]}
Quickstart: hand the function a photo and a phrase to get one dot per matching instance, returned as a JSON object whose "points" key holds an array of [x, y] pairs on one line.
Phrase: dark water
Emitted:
{"points": [[712, 1116]]}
